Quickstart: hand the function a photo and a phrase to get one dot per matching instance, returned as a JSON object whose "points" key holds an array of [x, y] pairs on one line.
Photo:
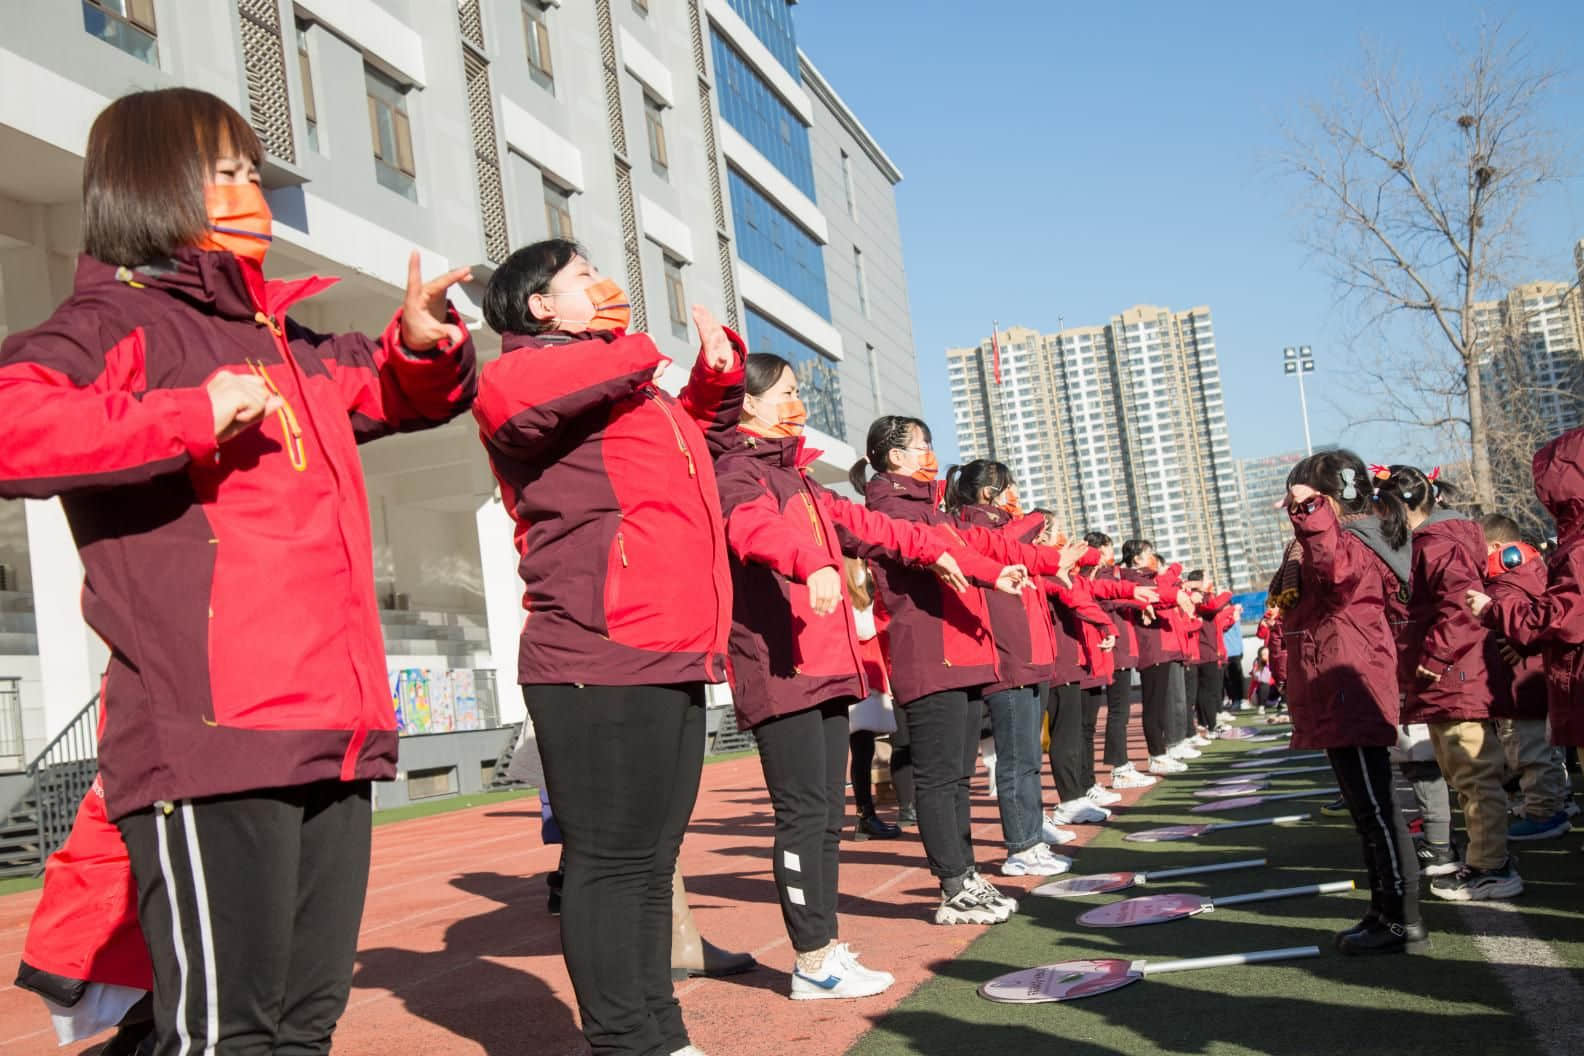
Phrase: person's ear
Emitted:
{"points": [[539, 307]]}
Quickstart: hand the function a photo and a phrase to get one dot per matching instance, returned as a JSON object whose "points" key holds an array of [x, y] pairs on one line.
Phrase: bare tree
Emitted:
{"points": [[1416, 199]]}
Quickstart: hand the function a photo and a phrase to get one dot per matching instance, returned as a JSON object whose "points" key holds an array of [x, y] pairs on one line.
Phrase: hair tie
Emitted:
{"points": [[1434, 475], [1349, 492], [1380, 472]]}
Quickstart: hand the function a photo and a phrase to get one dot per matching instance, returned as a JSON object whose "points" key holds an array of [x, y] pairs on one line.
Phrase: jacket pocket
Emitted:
{"points": [[616, 565]]}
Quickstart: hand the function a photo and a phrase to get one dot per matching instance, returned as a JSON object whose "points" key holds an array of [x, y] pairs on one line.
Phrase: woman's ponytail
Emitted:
{"points": [[858, 475]]}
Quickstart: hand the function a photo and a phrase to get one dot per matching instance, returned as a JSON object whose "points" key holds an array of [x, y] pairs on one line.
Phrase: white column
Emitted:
{"points": [[71, 656], [503, 612]]}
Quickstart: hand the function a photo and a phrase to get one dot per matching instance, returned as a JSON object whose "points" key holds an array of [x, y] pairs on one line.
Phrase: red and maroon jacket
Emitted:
{"points": [[1081, 625], [939, 639], [611, 483], [1270, 632], [1157, 639], [1114, 594], [1214, 615], [1342, 661], [781, 527], [233, 583], [1024, 637], [1517, 691], [1554, 622], [1442, 635]]}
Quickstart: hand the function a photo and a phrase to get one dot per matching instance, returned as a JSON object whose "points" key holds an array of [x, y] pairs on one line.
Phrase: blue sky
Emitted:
{"points": [[1068, 161]]}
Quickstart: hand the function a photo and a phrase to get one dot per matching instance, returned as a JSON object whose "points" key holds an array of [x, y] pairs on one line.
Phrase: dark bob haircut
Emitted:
{"points": [[526, 272], [149, 155]]}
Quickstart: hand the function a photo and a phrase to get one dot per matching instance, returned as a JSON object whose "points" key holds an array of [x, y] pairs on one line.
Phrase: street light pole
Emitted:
{"points": [[1300, 361]]}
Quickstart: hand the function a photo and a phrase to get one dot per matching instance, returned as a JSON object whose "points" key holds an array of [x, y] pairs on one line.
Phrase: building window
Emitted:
{"points": [[536, 33], [392, 133], [654, 121], [676, 296], [126, 24], [749, 105], [847, 185], [558, 209], [771, 22], [862, 281], [305, 69], [776, 246]]}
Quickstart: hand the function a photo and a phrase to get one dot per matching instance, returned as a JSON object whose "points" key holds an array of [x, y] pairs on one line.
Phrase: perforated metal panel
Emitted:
{"points": [[264, 66], [630, 245], [729, 283], [486, 158], [612, 72], [472, 22]]}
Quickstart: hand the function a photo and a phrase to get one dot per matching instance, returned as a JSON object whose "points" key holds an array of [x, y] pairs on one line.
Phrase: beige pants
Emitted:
{"points": [[1542, 775], [1471, 758]]}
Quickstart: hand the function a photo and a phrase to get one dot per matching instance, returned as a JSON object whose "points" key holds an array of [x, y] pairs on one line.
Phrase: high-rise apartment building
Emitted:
{"points": [[688, 144], [1266, 529], [1120, 428], [1534, 347]]}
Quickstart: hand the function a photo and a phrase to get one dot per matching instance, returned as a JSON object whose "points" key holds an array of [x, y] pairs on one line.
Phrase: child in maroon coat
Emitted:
{"points": [[1445, 683], [1342, 680], [1514, 572]]}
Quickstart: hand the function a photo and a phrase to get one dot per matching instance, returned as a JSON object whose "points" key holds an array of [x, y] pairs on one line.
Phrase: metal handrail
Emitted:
{"points": [[67, 732], [60, 776]]}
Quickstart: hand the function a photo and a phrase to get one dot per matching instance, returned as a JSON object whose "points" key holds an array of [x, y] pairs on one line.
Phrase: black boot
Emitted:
{"points": [[907, 817], [1371, 920], [1386, 937], [870, 826]]}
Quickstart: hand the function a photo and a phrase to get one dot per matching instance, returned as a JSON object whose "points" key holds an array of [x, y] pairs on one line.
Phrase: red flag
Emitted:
{"points": [[995, 352]]}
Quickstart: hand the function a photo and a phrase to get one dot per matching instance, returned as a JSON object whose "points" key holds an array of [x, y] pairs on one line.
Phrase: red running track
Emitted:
{"points": [[457, 954]]}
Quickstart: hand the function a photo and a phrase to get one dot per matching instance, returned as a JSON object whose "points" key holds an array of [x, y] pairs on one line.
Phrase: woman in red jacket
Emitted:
{"points": [[204, 447], [1342, 681], [611, 485], [982, 494], [796, 662], [1441, 669], [1156, 648], [1553, 622], [942, 655], [1117, 596], [1208, 674]]}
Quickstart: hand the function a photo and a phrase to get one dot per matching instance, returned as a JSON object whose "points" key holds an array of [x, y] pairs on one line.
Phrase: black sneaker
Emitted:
{"points": [[1469, 884], [1371, 919], [871, 827], [1385, 937], [553, 902], [1436, 859], [1337, 808]]}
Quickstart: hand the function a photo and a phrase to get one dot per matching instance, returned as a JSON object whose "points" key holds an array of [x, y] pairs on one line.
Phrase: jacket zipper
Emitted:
{"points": [[621, 549], [808, 504], [675, 432], [820, 537]]}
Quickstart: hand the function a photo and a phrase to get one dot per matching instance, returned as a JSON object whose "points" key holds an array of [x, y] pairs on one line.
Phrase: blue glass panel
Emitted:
{"points": [[748, 105], [772, 243], [771, 22], [819, 377]]}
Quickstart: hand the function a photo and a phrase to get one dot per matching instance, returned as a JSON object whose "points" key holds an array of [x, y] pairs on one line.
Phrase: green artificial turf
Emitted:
{"points": [[447, 804], [1450, 1001]]}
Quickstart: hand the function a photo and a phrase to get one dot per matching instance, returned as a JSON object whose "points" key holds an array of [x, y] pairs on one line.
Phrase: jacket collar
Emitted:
{"points": [[792, 452], [896, 485], [214, 280], [511, 341]]}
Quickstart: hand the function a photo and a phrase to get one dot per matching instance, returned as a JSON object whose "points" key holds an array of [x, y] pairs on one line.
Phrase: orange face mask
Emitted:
{"points": [[791, 416], [928, 469], [1013, 506], [239, 220], [611, 308]]}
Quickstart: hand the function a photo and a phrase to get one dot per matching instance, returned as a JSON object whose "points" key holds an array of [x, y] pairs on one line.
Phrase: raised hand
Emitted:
{"points": [[712, 338], [423, 318]]}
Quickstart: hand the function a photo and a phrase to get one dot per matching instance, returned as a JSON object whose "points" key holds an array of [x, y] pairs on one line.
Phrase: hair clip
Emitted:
{"points": [[1380, 472], [1349, 491], [1434, 475]]}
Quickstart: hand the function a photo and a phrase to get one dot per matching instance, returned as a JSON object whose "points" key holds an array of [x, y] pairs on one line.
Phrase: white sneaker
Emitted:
{"points": [[1199, 740], [1127, 777], [851, 957], [1030, 862], [1054, 834], [1183, 750], [689, 1050], [1165, 764], [1225, 718], [1079, 811], [835, 978], [966, 907], [989, 893], [1101, 796]]}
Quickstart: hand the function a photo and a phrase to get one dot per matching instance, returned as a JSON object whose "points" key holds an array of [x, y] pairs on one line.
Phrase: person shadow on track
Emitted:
{"points": [[459, 988]]}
